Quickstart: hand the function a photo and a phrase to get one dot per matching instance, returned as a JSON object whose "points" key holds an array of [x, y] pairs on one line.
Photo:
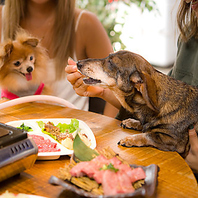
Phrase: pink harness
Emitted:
{"points": [[6, 94]]}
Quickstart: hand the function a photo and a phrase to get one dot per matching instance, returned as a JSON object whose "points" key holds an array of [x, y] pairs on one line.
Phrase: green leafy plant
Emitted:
{"points": [[108, 11], [25, 127], [110, 167]]}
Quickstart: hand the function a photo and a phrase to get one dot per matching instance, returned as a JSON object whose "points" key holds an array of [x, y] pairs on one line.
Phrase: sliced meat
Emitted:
{"points": [[125, 183], [76, 171], [117, 178], [136, 174], [110, 183]]}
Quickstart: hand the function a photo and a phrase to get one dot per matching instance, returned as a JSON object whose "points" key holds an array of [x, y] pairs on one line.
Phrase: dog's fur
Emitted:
{"points": [[23, 65], [161, 107]]}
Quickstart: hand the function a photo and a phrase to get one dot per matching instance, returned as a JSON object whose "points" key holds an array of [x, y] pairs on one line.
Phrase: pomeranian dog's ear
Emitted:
{"points": [[8, 49], [31, 41], [5, 52], [25, 38]]}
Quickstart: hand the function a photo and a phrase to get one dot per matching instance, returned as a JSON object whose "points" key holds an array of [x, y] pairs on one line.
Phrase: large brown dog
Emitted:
{"points": [[161, 107]]}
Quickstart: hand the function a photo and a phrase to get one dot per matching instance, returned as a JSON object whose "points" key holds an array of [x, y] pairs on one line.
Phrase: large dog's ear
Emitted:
{"points": [[5, 52], [146, 86], [32, 42]]}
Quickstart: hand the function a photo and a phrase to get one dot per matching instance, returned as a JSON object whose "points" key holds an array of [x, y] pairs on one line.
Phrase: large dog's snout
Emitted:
{"points": [[29, 69], [79, 65]]}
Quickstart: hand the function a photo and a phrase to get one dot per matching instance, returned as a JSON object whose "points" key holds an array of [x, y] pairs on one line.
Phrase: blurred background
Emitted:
{"points": [[146, 27]]}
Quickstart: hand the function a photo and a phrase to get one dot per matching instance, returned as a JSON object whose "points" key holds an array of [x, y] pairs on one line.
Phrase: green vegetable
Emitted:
{"points": [[109, 167], [81, 151], [54, 137], [70, 128], [41, 124], [25, 128]]}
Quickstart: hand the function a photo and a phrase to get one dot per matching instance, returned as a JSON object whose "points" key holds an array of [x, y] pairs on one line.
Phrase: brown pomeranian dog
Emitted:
{"points": [[23, 64]]}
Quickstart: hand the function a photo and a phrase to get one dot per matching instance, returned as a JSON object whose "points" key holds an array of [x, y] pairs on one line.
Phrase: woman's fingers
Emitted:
{"points": [[71, 69], [192, 157], [71, 62], [73, 77], [193, 139], [76, 78]]}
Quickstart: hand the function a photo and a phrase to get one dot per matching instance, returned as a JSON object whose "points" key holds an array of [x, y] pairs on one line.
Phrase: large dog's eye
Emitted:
{"points": [[17, 63], [110, 61], [111, 65]]}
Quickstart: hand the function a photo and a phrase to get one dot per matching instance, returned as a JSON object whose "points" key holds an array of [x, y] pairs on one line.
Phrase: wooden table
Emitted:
{"points": [[175, 177]]}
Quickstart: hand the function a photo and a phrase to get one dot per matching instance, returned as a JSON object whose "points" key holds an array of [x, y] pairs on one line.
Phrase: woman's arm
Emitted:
{"points": [[93, 37]]}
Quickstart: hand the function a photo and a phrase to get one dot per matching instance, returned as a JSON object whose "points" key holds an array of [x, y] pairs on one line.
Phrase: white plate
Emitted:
{"points": [[9, 194], [37, 131]]}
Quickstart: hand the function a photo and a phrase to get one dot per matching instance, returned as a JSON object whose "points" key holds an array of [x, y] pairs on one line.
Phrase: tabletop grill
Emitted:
{"points": [[17, 151]]}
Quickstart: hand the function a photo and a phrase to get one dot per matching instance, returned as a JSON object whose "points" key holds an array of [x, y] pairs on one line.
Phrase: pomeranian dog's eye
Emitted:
{"points": [[31, 58], [17, 63]]}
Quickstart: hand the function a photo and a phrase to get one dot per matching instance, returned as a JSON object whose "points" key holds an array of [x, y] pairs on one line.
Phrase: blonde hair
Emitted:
{"points": [[62, 43], [187, 21]]}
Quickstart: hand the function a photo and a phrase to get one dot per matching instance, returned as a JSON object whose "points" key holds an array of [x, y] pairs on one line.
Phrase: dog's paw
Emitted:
{"points": [[131, 141], [131, 124], [127, 142]]}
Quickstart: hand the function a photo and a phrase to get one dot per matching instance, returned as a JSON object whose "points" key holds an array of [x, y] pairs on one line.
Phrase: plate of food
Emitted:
{"points": [[54, 136], [107, 175]]}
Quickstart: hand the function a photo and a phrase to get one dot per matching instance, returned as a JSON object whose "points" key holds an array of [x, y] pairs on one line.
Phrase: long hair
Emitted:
{"points": [[187, 21], [62, 42]]}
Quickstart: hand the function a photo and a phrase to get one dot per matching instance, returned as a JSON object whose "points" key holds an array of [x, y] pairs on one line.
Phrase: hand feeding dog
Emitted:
{"points": [[22, 67], [161, 107]]}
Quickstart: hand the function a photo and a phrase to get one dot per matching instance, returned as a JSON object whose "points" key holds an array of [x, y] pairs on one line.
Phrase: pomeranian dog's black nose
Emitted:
{"points": [[29, 69]]}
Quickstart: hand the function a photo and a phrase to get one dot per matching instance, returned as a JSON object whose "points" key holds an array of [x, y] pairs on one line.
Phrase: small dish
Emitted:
{"points": [[147, 190]]}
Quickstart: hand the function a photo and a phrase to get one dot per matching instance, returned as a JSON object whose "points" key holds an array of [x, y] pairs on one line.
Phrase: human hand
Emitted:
{"points": [[192, 157], [76, 79]]}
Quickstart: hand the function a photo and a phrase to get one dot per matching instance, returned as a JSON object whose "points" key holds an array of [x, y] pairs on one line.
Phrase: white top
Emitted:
{"points": [[63, 88]]}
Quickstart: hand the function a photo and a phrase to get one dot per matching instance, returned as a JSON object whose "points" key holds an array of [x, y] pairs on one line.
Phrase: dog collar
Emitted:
{"points": [[40, 89], [9, 95]]}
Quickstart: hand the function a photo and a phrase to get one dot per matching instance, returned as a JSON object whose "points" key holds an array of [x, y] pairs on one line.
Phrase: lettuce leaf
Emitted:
{"points": [[70, 128]]}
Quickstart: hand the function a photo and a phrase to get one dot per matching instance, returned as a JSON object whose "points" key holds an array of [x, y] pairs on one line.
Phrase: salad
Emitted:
{"points": [[64, 133]]}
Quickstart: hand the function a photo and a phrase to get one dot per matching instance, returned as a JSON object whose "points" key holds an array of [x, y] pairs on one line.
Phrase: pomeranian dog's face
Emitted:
{"points": [[22, 63]]}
